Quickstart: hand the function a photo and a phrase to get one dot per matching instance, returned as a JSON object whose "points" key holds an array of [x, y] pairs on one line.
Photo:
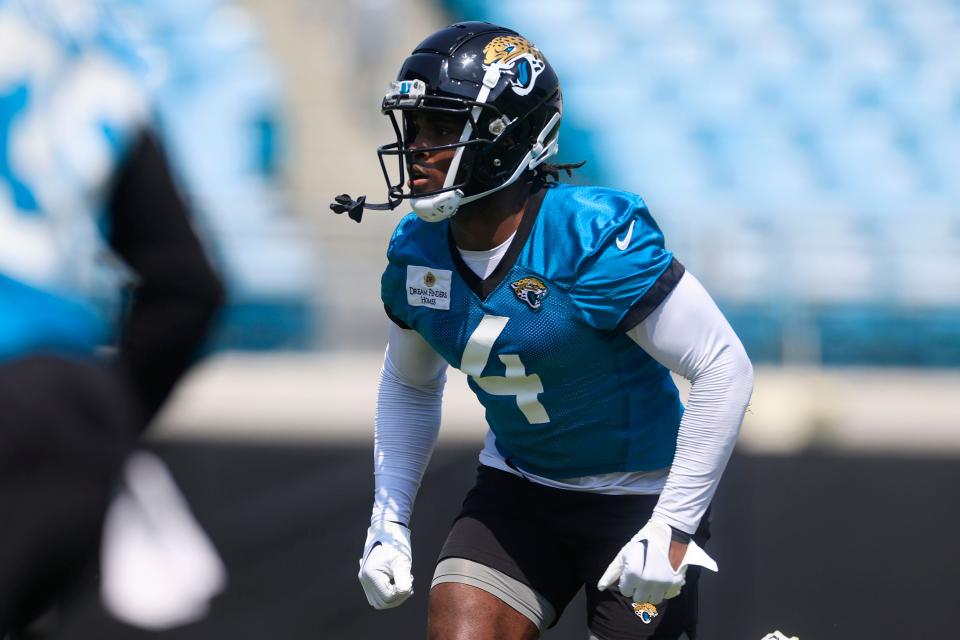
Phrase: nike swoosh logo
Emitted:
{"points": [[624, 242]]}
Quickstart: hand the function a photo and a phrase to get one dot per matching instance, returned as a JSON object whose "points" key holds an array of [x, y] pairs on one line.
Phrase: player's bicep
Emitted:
{"points": [[412, 359], [687, 333]]}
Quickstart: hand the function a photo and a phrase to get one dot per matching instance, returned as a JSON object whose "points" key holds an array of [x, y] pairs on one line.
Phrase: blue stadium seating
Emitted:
{"points": [[802, 157]]}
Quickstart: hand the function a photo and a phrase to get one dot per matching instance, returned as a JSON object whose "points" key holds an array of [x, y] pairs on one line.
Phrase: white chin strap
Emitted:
{"points": [[438, 207], [441, 206]]}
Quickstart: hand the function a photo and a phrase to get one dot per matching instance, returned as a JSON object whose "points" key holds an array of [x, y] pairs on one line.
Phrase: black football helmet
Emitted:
{"points": [[509, 96]]}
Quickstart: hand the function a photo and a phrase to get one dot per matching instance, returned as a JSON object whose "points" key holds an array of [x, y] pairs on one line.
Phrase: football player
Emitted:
{"points": [[567, 313], [81, 179]]}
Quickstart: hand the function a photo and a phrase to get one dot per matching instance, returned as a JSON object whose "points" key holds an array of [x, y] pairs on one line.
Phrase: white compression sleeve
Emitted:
{"points": [[407, 422], [689, 335]]}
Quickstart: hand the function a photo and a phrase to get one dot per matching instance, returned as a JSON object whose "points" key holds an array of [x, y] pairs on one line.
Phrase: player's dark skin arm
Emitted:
{"points": [[178, 292]]}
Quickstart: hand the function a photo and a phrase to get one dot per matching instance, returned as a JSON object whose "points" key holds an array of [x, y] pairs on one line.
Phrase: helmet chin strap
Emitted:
{"points": [[443, 205], [438, 207]]}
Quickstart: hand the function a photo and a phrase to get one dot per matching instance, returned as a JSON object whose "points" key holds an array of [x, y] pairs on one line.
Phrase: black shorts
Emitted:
{"points": [[557, 541]]}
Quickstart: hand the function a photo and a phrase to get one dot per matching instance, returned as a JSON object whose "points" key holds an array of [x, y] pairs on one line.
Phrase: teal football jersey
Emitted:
{"points": [[543, 339], [68, 114]]}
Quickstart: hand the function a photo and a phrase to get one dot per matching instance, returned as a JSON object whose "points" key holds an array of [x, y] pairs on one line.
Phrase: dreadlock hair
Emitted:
{"points": [[547, 175]]}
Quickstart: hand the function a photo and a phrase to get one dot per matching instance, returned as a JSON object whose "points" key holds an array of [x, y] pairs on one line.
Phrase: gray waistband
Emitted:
{"points": [[513, 592]]}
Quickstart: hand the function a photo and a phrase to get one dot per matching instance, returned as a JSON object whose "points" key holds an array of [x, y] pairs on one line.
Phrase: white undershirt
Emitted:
{"points": [[483, 263], [686, 333]]}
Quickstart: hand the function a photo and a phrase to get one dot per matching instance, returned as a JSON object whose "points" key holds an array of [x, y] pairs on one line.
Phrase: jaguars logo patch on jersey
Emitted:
{"points": [[645, 611], [530, 290], [517, 56]]}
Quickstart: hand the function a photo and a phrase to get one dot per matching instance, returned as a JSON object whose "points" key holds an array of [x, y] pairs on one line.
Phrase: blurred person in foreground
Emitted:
{"points": [[567, 313], [81, 178]]}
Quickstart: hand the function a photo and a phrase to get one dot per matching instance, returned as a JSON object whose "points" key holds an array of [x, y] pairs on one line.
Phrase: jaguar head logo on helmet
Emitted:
{"points": [[517, 57], [507, 103]]}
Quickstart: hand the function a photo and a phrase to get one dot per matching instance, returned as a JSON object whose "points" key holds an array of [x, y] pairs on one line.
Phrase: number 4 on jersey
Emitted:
{"points": [[516, 382]]}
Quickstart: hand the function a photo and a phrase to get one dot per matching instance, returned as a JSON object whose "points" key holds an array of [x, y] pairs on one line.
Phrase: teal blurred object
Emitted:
{"points": [[68, 115], [268, 325], [802, 158]]}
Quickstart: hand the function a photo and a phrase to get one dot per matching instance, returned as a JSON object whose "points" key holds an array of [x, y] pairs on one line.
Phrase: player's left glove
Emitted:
{"points": [[642, 569]]}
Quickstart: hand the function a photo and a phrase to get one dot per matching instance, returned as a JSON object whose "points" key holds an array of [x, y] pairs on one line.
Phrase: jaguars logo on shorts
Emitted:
{"points": [[530, 290], [645, 611], [516, 56]]}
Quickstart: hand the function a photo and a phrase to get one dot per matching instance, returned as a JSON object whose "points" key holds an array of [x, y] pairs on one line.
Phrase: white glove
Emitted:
{"points": [[642, 569], [385, 568], [159, 568]]}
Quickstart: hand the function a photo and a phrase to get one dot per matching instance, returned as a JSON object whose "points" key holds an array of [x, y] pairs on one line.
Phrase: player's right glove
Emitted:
{"points": [[385, 569]]}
